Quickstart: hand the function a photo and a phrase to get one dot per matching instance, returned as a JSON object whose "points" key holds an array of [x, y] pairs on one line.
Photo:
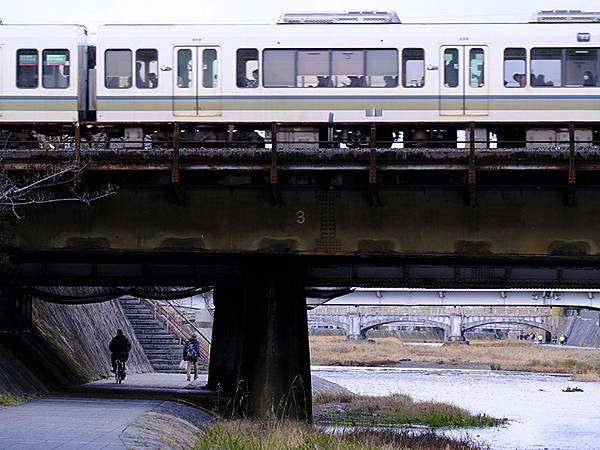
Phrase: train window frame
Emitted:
{"points": [[581, 68], [107, 75], [452, 74], [342, 73], [245, 71], [66, 68], [20, 76], [185, 72], [406, 54], [268, 75], [210, 69], [376, 74], [534, 77], [476, 70], [146, 82], [517, 80], [291, 76], [317, 72]]}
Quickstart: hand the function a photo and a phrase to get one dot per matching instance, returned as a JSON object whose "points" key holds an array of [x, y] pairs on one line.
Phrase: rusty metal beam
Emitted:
{"points": [[472, 173], [77, 152], [572, 180], [175, 175]]}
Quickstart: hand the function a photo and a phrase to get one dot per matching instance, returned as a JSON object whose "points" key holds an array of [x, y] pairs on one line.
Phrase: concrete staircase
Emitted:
{"points": [[163, 348]]}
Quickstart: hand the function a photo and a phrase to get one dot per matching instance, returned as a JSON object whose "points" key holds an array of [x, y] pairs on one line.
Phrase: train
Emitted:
{"points": [[313, 74]]}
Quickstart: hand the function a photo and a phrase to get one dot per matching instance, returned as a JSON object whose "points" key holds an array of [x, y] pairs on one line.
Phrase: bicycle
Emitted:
{"points": [[120, 372]]}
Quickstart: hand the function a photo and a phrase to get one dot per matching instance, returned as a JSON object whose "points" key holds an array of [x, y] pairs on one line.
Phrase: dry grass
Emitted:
{"points": [[251, 435], [506, 355], [396, 409]]}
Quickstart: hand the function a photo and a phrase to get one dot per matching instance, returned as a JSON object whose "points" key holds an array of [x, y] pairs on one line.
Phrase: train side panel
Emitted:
{"points": [[40, 73]]}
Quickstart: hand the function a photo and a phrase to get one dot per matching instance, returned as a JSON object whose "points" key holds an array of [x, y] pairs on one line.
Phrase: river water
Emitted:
{"points": [[541, 415]]}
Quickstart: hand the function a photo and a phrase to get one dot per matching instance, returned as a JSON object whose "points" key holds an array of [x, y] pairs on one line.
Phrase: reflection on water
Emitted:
{"points": [[541, 415]]}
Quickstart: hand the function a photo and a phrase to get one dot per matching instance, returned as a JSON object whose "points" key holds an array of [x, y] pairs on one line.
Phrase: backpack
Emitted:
{"points": [[190, 353]]}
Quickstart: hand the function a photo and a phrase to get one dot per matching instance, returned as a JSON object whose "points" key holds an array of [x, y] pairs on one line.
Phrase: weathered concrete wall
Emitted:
{"points": [[585, 331], [68, 345]]}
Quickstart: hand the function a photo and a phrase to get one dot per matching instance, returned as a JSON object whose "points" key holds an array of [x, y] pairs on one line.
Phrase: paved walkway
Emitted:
{"points": [[70, 423], [92, 416], [159, 382]]}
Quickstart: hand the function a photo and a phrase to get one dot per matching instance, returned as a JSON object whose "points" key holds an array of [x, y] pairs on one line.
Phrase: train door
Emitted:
{"points": [[196, 82], [464, 85]]}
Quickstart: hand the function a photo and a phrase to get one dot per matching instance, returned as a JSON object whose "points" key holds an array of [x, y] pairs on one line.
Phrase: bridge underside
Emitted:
{"points": [[261, 244], [416, 237]]}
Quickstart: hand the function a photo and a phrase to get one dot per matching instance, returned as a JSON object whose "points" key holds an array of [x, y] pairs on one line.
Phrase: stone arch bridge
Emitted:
{"points": [[356, 325]]}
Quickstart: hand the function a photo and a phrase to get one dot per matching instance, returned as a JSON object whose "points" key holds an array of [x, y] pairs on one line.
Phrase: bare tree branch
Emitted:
{"points": [[45, 187]]}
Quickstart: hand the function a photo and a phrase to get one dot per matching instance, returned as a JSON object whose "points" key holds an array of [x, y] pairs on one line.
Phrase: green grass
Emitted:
{"points": [[252, 435], [13, 400], [397, 410]]}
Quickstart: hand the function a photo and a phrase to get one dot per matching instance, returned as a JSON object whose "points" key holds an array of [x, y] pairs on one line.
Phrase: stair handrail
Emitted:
{"points": [[161, 313], [186, 320], [180, 330]]}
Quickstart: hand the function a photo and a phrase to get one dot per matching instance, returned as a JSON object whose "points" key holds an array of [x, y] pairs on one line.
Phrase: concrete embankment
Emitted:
{"points": [[67, 345]]}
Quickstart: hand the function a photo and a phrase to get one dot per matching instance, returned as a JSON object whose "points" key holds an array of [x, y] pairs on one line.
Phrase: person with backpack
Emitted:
{"points": [[119, 349], [191, 353]]}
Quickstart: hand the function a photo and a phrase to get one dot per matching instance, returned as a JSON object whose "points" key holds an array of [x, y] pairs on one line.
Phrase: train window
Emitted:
{"points": [[146, 68], [185, 68], [210, 69], [247, 68], [27, 68], [546, 67], [476, 68], [382, 68], [451, 67], [515, 67], [55, 69], [313, 69], [581, 67], [279, 68], [348, 68], [413, 68], [118, 69]]}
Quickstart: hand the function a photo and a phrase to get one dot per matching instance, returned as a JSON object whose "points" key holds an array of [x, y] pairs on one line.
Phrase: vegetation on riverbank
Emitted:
{"points": [[504, 355], [251, 435], [396, 409], [13, 400]]}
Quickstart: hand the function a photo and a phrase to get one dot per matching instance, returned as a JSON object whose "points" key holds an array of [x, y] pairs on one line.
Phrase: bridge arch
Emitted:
{"points": [[406, 320], [540, 325], [325, 320]]}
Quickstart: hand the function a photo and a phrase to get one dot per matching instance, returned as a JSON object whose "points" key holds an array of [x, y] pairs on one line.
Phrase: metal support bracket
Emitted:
{"points": [[375, 200], [175, 166], [572, 175], [77, 175], [274, 170], [472, 173]]}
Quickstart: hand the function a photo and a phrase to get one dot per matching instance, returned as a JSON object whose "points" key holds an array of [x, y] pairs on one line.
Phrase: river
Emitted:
{"points": [[541, 415]]}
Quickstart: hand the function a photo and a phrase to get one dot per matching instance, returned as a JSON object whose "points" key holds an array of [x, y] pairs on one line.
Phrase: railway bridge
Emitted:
{"points": [[264, 224]]}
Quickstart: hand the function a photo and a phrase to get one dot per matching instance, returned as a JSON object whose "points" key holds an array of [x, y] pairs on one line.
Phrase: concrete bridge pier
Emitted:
{"points": [[260, 351], [15, 311], [456, 330], [355, 330]]}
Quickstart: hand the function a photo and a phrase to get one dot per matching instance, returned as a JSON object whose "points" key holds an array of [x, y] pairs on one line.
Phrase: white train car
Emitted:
{"points": [[43, 75], [363, 73]]}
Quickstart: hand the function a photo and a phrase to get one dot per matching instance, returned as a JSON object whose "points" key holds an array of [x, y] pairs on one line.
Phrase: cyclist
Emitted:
{"points": [[191, 353], [119, 347]]}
